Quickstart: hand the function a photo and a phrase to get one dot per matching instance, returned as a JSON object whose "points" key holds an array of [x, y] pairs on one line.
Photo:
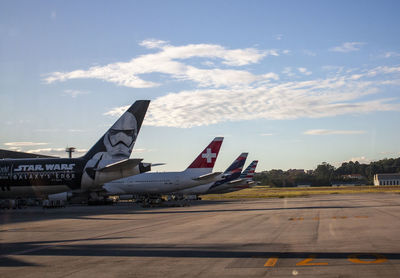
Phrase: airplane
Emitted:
{"points": [[107, 160], [245, 181], [231, 173], [150, 186]]}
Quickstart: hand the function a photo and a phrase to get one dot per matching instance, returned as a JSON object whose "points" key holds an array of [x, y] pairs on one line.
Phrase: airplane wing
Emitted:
{"points": [[122, 165], [207, 177]]}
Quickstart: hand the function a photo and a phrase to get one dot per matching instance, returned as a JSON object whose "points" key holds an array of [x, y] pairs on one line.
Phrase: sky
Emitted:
{"points": [[294, 83]]}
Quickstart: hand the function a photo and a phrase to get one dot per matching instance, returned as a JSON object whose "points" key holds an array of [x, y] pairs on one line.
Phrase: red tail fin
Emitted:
{"points": [[207, 158]]}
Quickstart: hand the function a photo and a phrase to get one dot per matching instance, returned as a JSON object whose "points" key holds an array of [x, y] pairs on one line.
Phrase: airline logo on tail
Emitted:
{"points": [[116, 144], [208, 156], [233, 171], [249, 172], [236, 166]]}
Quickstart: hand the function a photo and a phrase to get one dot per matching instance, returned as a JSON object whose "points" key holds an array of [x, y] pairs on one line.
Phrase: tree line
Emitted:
{"points": [[326, 174]]}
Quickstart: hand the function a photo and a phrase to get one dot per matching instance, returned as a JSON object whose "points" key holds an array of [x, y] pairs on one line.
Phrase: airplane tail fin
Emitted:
{"points": [[236, 166], [248, 173], [207, 158], [233, 171], [117, 143]]}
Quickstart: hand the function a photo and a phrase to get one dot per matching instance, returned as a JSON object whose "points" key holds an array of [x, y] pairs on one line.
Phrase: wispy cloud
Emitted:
{"points": [[72, 130], [304, 71], [347, 47], [153, 43], [391, 54], [288, 72], [360, 159], [176, 62], [279, 37], [143, 150], [338, 95], [117, 111], [24, 144], [267, 134], [309, 53], [332, 132], [55, 151], [225, 93], [75, 93]]}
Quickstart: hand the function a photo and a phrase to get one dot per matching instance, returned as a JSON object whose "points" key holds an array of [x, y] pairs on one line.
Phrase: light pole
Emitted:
{"points": [[70, 150]]}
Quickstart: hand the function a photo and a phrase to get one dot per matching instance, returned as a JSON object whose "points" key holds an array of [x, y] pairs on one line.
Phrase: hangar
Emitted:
{"points": [[387, 179]]}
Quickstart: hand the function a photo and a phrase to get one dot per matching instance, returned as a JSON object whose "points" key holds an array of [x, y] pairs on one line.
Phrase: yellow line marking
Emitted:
{"points": [[308, 261], [271, 262], [378, 259]]}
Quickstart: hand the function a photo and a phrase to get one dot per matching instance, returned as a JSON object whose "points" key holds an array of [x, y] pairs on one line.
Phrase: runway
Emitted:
{"points": [[319, 236]]}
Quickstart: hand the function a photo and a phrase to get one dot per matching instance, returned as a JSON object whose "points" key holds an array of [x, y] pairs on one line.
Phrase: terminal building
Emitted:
{"points": [[387, 179]]}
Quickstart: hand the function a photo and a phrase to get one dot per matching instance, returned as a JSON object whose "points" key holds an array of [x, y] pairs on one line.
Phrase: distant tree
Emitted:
{"points": [[325, 173]]}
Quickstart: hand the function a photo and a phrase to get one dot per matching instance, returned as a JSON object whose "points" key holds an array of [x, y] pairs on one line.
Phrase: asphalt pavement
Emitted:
{"points": [[355, 235]]}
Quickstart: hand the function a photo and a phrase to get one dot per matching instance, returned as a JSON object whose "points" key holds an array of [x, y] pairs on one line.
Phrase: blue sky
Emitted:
{"points": [[294, 83]]}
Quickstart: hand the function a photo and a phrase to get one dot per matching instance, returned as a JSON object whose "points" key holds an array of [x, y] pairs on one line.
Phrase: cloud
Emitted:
{"points": [[309, 53], [117, 111], [288, 72], [347, 47], [72, 130], [304, 71], [23, 144], [332, 132], [267, 134], [329, 97], [175, 61], [224, 91], [279, 37], [360, 159], [153, 43], [143, 150], [55, 151], [75, 93], [390, 54]]}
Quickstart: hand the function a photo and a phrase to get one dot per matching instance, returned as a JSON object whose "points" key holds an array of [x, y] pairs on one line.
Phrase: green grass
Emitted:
{"points": [[272, 192]]}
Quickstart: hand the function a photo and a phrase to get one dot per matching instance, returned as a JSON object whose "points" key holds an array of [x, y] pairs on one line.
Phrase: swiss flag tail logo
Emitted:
{"points": [[207, 158]]}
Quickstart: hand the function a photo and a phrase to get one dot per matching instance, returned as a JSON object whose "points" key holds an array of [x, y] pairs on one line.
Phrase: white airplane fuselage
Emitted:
{"points": [[157, 182]]}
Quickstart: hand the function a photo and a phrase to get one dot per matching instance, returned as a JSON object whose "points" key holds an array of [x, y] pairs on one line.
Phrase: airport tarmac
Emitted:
{"points": [[318, 236]]}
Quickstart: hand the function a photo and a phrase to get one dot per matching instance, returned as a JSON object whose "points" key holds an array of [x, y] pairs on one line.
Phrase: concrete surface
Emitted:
{"points": [[319, 236]]}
